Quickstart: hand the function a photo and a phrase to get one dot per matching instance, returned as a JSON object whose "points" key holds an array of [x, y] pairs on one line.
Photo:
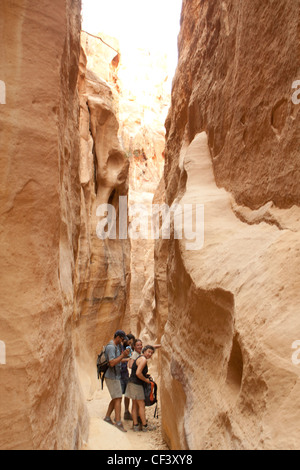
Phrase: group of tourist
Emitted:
{"points": [[125, 353]]}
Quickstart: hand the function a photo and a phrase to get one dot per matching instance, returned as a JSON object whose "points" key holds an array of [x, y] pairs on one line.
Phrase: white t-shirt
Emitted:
{"points": [[135, 355]]}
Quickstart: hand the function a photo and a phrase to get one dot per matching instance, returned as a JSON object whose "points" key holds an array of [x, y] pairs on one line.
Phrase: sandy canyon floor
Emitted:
{"points": [[103, 436]]}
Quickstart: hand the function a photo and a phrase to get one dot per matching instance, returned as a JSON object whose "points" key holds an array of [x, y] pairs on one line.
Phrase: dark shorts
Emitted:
{"points": [[124, 383]]}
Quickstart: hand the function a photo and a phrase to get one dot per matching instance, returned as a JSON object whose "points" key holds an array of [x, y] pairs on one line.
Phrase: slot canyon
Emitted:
{"points": [[80, 135]]}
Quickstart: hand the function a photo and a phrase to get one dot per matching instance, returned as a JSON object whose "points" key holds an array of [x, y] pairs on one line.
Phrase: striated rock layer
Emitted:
{"points": [[228, 313], [138, 81], [140, 105], [103, 266], [41, 404], [238, 62]]}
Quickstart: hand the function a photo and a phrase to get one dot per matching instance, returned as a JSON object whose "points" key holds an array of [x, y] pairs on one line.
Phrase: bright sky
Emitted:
{"points": [[150, 24]]}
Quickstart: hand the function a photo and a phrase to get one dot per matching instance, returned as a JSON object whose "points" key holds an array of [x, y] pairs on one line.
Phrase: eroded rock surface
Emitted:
{"points": [[140, 93], [103, 266], [238, 63], [228, 381], [41, 404]]}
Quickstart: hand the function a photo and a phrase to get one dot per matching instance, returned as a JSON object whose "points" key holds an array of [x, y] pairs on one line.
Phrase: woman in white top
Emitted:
{"points": [[138, 347]]}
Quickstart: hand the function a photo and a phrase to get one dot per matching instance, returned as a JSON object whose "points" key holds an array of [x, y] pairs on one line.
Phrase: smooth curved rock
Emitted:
{"points": [[41, 404], [232, 139], [103, 266]]}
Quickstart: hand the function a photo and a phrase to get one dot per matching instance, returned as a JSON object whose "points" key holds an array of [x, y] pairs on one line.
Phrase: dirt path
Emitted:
{"points": [[104, 436]]}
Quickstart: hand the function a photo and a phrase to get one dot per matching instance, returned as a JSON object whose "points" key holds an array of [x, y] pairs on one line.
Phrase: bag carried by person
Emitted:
{"points": [[102, 366], [150, 393]]}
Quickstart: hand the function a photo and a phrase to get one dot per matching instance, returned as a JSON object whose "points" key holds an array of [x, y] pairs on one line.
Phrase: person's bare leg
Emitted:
{"points": [[118, 404], [126, 403], [135, 412], [110, 408], [142, 411]]}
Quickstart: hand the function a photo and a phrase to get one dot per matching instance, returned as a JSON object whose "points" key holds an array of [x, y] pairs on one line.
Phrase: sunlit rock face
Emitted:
{"points": [[238, 88], [41, 405], [102, 56], [141, 90], [141, 87], [103, 265], [144, 103], [228, 313], [142, 266]]}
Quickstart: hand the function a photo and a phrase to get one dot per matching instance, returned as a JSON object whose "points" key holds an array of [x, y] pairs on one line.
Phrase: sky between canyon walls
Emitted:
{"points": [[153, 25]]}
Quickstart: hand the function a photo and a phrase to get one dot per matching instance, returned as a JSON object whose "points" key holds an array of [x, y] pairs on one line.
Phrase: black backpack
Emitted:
{"points": [[102, 366], [151, 396], [150, 393]]}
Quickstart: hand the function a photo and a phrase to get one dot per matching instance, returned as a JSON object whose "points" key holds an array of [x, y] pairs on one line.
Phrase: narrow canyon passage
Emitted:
{"points": [[122, 147], [165, 204]]}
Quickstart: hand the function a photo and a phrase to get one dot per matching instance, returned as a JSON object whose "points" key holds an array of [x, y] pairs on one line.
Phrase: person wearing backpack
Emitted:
{"points": [[115, 356], [135, 388]]}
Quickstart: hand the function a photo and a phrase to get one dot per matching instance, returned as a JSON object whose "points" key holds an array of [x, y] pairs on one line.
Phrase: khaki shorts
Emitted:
{"points": [[114, 388], [135, 392]]}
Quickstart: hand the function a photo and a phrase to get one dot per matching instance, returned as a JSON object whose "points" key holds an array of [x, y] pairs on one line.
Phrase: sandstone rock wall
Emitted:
{"points": [[139, 82], [232, 307], [41, 404], [103, 266], [139, 91], [103, 57], [238, 61], [142, 267], [144, 103]]}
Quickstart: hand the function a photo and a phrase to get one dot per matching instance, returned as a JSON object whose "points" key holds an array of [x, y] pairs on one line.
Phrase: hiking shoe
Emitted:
{"points": [[148, 427], [109, 421], [127, 416], [136, 428], [120, 427]]}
